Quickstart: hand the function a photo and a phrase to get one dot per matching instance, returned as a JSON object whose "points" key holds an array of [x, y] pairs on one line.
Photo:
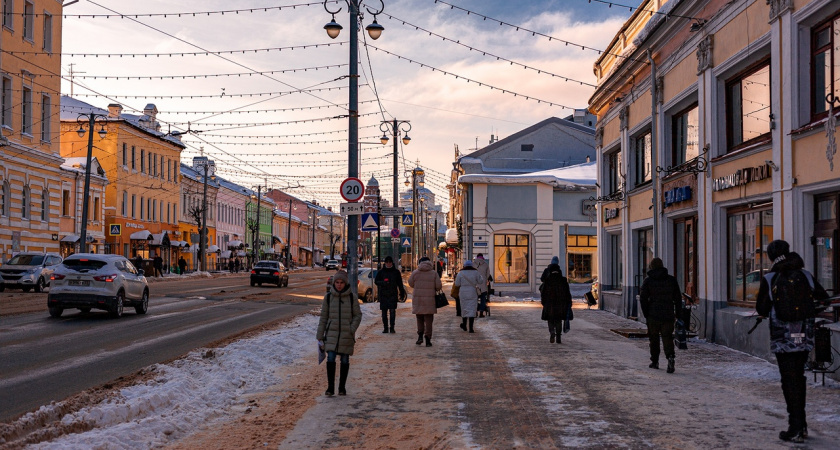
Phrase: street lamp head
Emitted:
{"points": [[374, 30], [384, 139], [333, 28], [102, 132], [81, 131], [407, 184], [406, 140]]}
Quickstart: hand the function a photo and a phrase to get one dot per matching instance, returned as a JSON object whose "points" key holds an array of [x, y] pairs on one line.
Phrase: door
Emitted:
{"points": [[824, 241], [685, 255]]}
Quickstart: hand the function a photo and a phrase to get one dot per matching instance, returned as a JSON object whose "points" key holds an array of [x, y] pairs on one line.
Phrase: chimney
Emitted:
{"points": [[148, 119], [114, 110]]}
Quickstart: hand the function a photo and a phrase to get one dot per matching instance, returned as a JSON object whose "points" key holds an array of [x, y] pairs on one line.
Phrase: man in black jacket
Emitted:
{"points": [[391, 289], [661, 301]]}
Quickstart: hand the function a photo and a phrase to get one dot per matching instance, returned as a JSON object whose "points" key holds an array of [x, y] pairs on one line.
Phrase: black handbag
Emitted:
{"points": [[440, 300]]}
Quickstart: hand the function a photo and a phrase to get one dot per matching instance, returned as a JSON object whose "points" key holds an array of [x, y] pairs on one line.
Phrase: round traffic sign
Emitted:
{"points": [[352, 189], [395, 232]]}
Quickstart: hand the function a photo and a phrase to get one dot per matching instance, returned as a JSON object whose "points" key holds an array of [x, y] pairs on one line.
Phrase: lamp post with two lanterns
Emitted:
{"points": [[91, 119], [395, 128], [374, 31], [417, 179]]}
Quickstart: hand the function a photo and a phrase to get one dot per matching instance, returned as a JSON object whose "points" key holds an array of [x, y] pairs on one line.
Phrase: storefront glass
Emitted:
{"points": [[511, 258], [825, 236], [749, 231], [616, 262]]}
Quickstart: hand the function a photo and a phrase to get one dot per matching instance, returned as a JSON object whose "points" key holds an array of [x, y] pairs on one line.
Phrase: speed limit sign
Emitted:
{"points": [[352, 189]]}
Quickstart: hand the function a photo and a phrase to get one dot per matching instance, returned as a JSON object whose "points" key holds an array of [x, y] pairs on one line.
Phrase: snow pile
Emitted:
{"points": [[187, 393]]}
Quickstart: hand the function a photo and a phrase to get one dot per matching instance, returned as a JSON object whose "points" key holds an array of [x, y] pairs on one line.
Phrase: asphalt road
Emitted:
{"points": [[44, 359]]}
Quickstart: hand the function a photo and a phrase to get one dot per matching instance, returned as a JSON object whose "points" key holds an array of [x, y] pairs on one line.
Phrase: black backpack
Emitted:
{"points": [[792, 295]]}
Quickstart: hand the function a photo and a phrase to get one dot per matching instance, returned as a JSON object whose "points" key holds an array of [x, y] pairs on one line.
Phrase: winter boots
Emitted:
{"points": [[670, 365], [428, 341], [392, 329], [343, 371], [330, 378], [654, 365], [464, 324], [385, 331], [419, 338], [471, 322], [551, 339]]}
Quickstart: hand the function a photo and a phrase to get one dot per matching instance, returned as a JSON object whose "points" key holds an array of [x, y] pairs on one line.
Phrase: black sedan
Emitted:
{"points": [[273, 272]]}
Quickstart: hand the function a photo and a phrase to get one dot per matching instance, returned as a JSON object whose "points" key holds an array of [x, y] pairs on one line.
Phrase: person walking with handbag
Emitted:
{"points": [[391, 290], [340, 318], [426, 283], [468, 282], [483, 269], [661, 302], [556, 299]]}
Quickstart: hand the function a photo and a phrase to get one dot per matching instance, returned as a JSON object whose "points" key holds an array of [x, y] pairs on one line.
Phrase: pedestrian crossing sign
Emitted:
{"points": [[115, 230], [406, 242], [408, 220], [370, 221]]}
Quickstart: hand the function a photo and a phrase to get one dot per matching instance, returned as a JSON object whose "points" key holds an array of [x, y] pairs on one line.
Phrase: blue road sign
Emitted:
{"points": [[406, 242], [408, 220], [370, 221], [115, 230]]}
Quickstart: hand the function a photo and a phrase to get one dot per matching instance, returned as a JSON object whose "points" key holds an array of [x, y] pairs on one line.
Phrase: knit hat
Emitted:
{"points": [[388, 259], [480, 256], [468, 263], [555, 260], [341, 275], [777, 248], [425, 258]]}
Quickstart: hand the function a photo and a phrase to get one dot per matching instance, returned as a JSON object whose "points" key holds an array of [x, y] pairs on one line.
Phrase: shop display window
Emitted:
{"points": [[749, 230], [510, 264], [616, 262], [824, 240]]}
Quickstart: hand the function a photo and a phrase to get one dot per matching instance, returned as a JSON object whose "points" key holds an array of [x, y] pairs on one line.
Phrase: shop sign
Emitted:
{"points": [[677, 195], [741, 177], [610, 213], [133, 225]]}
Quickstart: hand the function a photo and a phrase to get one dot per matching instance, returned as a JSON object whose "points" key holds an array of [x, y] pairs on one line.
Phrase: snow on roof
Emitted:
{"points": [[580, 175]]}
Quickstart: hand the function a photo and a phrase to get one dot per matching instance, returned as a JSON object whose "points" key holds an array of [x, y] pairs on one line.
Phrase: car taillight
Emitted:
{"points": [[56, 276], [106, 278], [277, 274], [253, 272]]}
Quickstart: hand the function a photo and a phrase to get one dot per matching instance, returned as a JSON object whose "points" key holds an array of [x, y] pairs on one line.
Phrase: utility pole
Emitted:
{"points": [[256, 232], [289, 236], [202, 244], [314, 218]]}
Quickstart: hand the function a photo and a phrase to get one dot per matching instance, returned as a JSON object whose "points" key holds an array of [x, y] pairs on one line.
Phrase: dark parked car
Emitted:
{"points": [[273, 272], [28, 270]]}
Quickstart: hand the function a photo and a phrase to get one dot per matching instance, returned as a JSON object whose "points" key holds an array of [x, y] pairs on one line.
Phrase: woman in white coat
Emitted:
{"points": [[468, 281]]}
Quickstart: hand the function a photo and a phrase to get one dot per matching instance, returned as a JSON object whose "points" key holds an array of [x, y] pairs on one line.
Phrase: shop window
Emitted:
{"points": [[511, 258], [616, 262], [614, 174], [826, 230], [645, 240], [580, 268], [748, 233], [685, 137], [641, 153], [825, 58], [581, 241], [748, 107]]}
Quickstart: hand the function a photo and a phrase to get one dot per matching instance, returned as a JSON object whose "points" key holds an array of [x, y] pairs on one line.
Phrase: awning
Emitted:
{"points": [[234, 244], [213, 249], [452, 236], [70, 238], [141, 235], [225, 254], [306, 249], [269, 251], [193, 248], [277, 240], [160, 239]]}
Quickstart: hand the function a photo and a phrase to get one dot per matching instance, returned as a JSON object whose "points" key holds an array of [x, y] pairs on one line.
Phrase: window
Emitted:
{"points": [[685, 138], [527, 147], [153, 165], [141, 208], [24, 203], [645, 241], [133, 158], [7, 102], [748, 107], [125, 154], [615, 177], [133, 206], [825, 239], [28, 20], [510, 264], [95, 212], [641, 151], [149, 210], [150, 163], [162, 158], [26, 111], [142, 161], [616, 263], [825, 58], [45, 195], [169, 170], [161, 211], [4, 199], [582, 241], [580, 268], [124, 210], [46, 117], [65, 203], [168, 210], [48, 32], [153, 210], [8, 14], [748, 231]]}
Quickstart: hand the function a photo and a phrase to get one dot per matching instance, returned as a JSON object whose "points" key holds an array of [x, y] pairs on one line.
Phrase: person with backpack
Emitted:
{"points": [[556, 299], [391, 290], [468, 282], [340, 318], [786, 295], [661, 302]]}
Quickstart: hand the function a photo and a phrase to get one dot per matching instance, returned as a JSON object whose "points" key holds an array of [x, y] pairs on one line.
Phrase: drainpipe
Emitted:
{"points": [[654, 155]]}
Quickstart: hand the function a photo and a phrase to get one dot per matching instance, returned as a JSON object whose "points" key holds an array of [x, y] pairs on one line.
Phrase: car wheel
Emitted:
{"points": [[56, 311], [144, 304], [39, 287], [27, 289], [280, 283], [2, 287], [84, 310], [117, 311], [253, 284], [286, 284], [369, 296], [259, 284]]}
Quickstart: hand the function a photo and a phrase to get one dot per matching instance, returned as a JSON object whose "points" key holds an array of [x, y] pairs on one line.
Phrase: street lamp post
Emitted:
{"points": [[255, 234], [289, 235], [91, 120], [395, 127], [314, 220], [374, 31]]}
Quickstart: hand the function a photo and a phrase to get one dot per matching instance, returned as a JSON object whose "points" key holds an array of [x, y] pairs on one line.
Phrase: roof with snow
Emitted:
{"points": [[580, 175]]}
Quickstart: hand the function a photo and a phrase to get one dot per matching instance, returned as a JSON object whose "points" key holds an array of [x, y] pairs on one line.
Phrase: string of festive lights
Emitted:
{"points": [[198, 76], [173, 15], [222, 95], [287, 143], [249, 111], [287, 155], [470, 80], [262, 124], [651, 12], [173, 54], [270, 136]]}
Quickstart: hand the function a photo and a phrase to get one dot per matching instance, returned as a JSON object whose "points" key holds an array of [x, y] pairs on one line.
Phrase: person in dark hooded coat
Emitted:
{"points": [[556, 299], [661, 301], [791, 342], [391, 290]]}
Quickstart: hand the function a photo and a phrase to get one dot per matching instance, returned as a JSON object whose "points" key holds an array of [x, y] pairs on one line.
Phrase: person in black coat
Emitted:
{"points": [[157, 263], [661, 301], [182, 265], [391, 290], [556, 299]]}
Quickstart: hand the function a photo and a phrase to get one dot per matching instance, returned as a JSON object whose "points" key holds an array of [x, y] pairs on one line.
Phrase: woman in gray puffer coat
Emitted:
{"points": [[468, 281], [425, 282], [340, 318]]}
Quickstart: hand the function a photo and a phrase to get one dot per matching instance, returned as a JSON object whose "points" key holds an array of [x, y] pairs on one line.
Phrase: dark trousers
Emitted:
{"points": [[792, 370], [665, 330], [555, 327], [424, 324], [482, 302], [385, 321]]}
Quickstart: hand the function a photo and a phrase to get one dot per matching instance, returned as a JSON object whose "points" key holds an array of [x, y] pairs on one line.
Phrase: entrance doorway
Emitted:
{"points": [[685, 255]]}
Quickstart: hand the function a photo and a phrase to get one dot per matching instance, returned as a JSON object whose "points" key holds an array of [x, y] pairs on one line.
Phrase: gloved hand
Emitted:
{"points": [[680, 323]]}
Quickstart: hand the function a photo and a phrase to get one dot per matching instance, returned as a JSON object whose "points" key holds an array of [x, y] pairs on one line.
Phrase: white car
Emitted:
{"points": [[92, 281]]}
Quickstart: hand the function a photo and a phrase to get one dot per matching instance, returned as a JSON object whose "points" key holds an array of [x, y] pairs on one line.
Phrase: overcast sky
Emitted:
{"points": [[444, 111]]}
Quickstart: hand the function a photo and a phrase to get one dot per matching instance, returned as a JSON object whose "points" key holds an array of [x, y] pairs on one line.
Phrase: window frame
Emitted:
{"points": [[29, 20], [9, 15], [46, 118], [7, 101], [638, 169], [675, 146], [26, 207], [45, 194], [727, 103], [26, 110], [47, 45], [743, 211]]}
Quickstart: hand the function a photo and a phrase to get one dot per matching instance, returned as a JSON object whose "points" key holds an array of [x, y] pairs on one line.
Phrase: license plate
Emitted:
{"points": [[79, 283]]}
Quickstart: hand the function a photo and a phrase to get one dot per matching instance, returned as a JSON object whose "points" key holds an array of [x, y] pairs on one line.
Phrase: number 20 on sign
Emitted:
{"points": [[352, 189]]}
